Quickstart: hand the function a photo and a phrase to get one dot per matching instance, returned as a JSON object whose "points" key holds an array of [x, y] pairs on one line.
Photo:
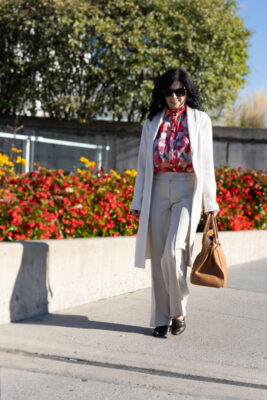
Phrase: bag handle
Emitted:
{"points": [[206, 227], [215, 228], [211, 221]]}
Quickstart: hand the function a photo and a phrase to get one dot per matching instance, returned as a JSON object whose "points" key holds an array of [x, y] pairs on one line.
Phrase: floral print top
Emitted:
{"points": [[171, 148]]}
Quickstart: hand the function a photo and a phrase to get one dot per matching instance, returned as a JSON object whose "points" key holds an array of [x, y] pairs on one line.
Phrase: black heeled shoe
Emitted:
{"points": [[160, 330], [178, 326]]}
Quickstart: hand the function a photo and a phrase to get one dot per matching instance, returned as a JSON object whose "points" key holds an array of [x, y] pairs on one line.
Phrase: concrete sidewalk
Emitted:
{"points": [[104, 350]]}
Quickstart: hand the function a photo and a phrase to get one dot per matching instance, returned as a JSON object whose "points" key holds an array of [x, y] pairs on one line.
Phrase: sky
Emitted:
{"points": [[254, 15]]}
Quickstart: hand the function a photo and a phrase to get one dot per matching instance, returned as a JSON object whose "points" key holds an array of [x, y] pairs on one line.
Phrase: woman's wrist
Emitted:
{"points": [[215, 212], [135, 213]]}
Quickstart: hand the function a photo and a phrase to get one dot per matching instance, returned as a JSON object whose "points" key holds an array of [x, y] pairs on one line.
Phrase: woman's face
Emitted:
{"points": [[174, 102]]}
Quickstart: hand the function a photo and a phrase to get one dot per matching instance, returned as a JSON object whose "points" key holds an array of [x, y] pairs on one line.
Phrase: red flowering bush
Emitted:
{"points": [[49, 204], [55, 204], [241, 195]]}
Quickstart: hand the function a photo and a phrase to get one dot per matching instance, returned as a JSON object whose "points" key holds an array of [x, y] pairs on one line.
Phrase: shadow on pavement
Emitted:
{"points": [[82, 322]]}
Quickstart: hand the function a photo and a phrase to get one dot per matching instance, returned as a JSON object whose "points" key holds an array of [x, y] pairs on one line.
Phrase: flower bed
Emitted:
{"points": [[241, 195], [55, 204]]}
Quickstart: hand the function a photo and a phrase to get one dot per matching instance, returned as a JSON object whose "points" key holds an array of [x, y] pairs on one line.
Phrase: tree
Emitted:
{"points": [[87, 58]]}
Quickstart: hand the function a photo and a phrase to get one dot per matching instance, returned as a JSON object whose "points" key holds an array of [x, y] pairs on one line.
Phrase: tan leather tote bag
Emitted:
{"points": [[209, 268]]}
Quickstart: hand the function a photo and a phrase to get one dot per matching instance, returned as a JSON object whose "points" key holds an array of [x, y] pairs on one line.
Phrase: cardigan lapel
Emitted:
{"points": [[155, 124], [154, 127], [193, 137]]}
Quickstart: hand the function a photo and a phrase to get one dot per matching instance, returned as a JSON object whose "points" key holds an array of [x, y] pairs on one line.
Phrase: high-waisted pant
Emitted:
{"points": [[169, 225]]}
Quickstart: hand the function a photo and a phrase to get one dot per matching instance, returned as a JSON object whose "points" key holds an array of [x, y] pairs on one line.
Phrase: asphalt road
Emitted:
{"points": [[104, 350]]}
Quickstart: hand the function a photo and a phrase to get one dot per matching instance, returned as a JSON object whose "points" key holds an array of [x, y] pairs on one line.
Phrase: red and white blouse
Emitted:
{"points": [[171, 148]]}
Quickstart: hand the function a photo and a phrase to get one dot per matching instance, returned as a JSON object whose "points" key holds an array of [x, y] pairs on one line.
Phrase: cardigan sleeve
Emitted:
{"points": [[141, 165], [209, 181]]}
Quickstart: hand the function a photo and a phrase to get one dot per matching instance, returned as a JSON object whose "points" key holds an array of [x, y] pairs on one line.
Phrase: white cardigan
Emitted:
{"points": [[200, 137]]}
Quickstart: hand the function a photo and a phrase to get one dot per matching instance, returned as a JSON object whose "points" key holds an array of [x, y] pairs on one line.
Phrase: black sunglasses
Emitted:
{"points": [[178, 92]]}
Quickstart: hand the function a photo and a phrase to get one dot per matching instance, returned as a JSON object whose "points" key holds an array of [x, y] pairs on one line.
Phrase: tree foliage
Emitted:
{"points": [[86, 58]]}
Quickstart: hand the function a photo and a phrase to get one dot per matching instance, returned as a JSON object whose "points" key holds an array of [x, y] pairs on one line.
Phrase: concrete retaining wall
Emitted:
{"points": [[43, 276]]}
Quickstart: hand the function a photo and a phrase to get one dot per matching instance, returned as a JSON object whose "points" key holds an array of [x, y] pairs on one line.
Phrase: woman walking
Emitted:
{"points": [[175, 175]]}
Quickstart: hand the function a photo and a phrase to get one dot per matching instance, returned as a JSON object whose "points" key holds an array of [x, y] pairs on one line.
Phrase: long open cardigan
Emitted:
{"points": [[200, 137]]}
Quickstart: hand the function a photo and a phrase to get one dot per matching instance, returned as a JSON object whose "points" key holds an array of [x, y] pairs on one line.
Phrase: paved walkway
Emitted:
{"points": [[104, 350]]}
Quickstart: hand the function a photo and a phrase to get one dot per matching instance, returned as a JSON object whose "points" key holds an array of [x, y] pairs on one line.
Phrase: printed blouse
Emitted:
{"points": [[171, 148]]}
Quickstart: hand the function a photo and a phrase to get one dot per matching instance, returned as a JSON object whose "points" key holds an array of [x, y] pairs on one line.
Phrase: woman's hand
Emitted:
{"points": [[135, 213], [212, 212]]}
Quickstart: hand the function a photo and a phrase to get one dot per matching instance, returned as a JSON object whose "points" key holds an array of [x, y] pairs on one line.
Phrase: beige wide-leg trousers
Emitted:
{"points": [[169, 224]]}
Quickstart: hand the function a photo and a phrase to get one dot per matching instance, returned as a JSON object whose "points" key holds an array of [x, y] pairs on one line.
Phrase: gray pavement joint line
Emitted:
{"points": [[149, 371], [152, 387]]}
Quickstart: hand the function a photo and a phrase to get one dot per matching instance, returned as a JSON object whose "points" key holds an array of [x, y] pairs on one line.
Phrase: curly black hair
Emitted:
{"points": [[158, 102]]}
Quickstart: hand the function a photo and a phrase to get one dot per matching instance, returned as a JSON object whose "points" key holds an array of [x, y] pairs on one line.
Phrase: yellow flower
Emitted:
{"points": [[114, 173], [16, 150], [84, 160], [4, 160], [131, 172], [87, 162], [21, 160]]}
